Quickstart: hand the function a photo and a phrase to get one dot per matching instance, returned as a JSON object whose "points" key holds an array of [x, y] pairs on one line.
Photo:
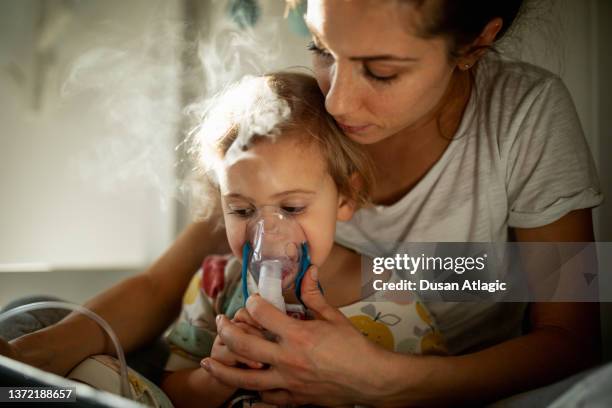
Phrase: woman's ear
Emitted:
{"points": [[481, 44]]}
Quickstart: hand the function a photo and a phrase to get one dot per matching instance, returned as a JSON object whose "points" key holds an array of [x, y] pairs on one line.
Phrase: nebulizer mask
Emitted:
{"points": [[275, 257]]}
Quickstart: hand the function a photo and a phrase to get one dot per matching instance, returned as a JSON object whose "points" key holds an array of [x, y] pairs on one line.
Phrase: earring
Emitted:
{"points": [[466, 66]]}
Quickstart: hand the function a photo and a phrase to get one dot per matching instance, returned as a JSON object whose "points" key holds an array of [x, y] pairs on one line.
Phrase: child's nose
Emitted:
{"points": [[271, 223]]}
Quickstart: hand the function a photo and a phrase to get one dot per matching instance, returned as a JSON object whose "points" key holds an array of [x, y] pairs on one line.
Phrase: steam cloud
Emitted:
{"points": [[138, 88]]}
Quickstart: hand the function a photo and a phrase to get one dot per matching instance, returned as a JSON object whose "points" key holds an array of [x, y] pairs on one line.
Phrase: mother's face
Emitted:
{"points": [[378, 76]]}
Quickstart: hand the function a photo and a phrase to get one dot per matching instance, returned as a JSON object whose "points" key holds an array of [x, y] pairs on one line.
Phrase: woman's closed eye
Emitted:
{"points": [[319, 51], [379, 77], [367, 71]]}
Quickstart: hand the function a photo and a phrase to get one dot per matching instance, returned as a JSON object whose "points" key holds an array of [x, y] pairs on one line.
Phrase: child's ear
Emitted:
{"points": [[346, 208]]}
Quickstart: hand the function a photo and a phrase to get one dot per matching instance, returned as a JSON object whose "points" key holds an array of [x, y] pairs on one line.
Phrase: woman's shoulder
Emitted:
{"points": [[514, 96], [499, 70], [511, 86]]}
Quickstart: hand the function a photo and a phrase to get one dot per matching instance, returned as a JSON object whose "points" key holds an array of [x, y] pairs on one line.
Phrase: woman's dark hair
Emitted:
{"points": [[462, 21]]}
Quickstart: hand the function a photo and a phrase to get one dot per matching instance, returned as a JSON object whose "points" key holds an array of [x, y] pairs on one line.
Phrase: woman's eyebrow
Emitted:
{"points": [[365, 58], [313, 31], [384, 57]]}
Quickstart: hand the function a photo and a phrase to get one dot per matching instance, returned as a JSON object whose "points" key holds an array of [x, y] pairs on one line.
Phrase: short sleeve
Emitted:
{"points": [[550, 170], [213, 290]]}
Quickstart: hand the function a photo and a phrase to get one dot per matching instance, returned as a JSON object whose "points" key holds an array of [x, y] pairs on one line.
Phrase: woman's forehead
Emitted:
{"points": [[363, 27]]}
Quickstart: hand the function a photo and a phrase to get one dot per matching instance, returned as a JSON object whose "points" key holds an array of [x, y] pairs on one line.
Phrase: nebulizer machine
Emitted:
{"points": [[275, 258]]}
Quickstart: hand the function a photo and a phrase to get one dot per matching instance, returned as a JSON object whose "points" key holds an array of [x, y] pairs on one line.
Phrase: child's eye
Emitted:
{"points": [[290, 210], [242, 212], [318, 50]]}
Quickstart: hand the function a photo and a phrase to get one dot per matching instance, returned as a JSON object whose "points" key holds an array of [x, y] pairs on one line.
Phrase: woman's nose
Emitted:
{"points": [[342, 98]]}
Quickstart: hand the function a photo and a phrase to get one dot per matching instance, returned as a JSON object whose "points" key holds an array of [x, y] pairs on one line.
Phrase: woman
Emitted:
{"points": [[468, 147], [463, 145]]}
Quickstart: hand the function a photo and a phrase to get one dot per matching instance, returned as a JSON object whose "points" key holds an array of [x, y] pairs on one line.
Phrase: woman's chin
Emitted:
{"points": [[375, 135]]}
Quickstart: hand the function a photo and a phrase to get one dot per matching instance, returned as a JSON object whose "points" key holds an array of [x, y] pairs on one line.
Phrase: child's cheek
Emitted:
{"points": [[235, 236], [319, 251], [320, 242]]}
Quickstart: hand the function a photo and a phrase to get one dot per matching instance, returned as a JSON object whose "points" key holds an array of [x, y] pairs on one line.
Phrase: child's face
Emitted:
{"points": [[287, 174]]}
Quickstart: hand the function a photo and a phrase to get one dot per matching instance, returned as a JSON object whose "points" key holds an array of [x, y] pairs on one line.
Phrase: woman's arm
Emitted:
{"points": [[564, 338], [328, 364], [547, 354], [138, 308]]}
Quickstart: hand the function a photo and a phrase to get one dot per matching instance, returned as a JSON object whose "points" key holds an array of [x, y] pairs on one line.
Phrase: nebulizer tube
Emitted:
{"points": [[125, 388], [275, 257]]}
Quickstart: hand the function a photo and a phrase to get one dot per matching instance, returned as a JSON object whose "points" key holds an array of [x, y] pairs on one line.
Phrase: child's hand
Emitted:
{"points": [[222, 353]]}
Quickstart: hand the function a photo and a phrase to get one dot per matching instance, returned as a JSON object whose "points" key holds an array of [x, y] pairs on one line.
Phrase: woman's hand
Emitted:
{"points": [[223, 354], [8, 350], [324, 361]]}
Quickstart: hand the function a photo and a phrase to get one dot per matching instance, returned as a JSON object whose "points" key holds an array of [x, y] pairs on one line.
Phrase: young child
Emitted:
{"points": [[268, 146]]}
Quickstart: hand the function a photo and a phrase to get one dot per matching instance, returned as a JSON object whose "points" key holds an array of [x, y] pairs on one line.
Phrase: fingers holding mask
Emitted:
{"points": [[256, 380], [243, 316], [266, 315], [246, 341], [223, 354]]}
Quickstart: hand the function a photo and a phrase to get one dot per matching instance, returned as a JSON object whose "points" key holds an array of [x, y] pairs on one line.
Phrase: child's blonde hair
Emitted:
{"points": [[280, 104]]}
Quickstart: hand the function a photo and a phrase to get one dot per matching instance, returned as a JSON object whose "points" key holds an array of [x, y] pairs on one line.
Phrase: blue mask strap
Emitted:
{"points": [[304, 265], [246, 253]]}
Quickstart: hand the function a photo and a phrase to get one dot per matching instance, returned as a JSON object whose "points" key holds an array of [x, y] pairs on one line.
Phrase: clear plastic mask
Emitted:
{"points": [[275, 255]]}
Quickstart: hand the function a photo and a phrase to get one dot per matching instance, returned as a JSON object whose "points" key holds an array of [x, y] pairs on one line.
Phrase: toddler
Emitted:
{"points": [[272, 158]]}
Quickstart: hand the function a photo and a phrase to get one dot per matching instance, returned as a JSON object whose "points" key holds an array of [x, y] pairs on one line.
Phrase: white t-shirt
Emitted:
{"points": [[519, 159]]}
